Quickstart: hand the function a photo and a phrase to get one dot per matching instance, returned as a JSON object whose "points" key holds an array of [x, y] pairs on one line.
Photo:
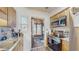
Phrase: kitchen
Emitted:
{"points": [[15, 28], [64, 30]]}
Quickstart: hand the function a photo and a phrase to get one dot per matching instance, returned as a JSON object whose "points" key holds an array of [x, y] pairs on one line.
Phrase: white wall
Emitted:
{"points": [[20, 11]]}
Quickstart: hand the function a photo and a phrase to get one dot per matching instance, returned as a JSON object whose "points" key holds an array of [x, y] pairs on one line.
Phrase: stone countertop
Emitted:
{"points": [[9, 44]]}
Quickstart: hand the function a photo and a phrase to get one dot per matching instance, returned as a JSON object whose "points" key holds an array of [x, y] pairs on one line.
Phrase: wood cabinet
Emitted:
{"points": [[65, 45], [3, 17], [11, 17], [7, 17], [58, 17], [55, 17], [4, 10], [61, 14]]}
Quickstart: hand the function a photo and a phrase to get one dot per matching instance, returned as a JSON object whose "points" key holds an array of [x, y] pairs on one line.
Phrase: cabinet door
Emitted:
{"points": [[61, 14], [54, 17], [4, 10], [11, 17], [3, 19], [65, 45]]}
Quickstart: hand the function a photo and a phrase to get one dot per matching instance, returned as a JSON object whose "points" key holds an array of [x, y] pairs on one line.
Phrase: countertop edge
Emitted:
{"points": [[14, 45]]}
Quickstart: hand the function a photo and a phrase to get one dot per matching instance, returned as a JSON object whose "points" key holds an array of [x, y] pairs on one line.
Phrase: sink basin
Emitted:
{"points": [[6, 45]]}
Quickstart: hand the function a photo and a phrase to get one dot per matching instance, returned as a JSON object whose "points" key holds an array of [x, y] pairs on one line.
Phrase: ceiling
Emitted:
{"points": [[44, 9]]}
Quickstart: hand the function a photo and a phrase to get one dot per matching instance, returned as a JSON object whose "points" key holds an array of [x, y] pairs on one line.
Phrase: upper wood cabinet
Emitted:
{"points": [[55, 17], [61, 19], [11, 17], [61, 14], [3, 9], [7, 17], [3, 16]]}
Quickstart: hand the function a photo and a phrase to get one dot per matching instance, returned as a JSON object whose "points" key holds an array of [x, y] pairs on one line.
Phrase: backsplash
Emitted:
{"points": [[5, 29], [8, 31]]}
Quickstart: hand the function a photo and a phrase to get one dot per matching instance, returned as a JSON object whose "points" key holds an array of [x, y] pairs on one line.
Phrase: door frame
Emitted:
{"points": [[32, 32]]}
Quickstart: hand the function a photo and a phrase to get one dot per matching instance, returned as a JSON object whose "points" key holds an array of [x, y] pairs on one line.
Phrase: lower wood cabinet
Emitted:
{"points": [[19, 46], [65, 45], [3, 16]]}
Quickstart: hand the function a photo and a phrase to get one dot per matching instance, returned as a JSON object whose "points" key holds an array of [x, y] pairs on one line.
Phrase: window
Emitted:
{"points": [[23, 22], [39, 30]]}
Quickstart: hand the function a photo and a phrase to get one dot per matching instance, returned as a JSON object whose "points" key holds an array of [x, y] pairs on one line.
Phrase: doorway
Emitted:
{"points": [[37, 32]]}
